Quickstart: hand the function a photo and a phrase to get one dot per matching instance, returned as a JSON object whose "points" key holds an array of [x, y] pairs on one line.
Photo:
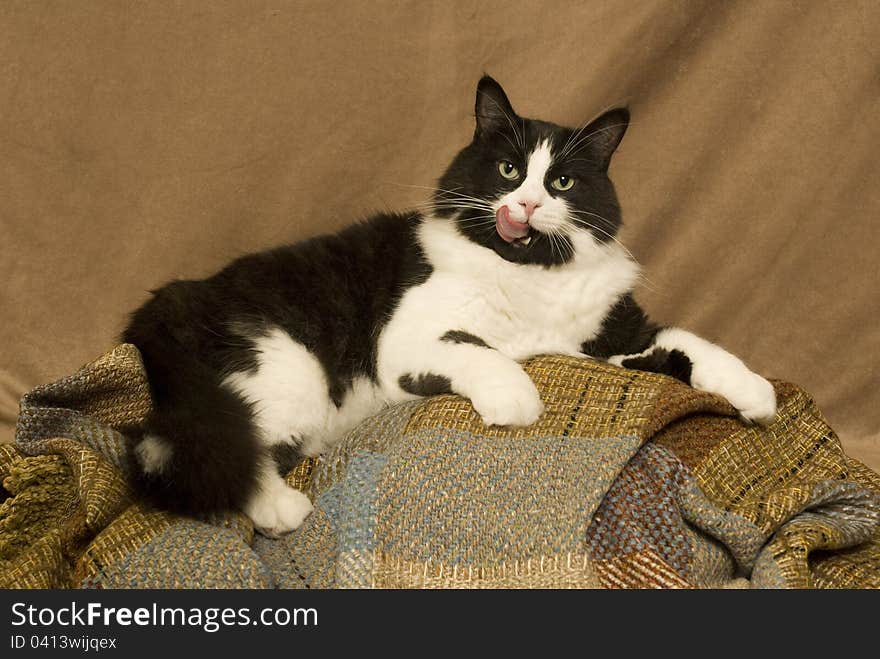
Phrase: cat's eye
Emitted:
{"points": [[563, 183], [508, 170]]}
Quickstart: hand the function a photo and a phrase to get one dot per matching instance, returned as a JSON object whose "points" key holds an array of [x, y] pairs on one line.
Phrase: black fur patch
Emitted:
{"points": [[668, 362], [501, 134], [626, 330], [285, 457], [459, 336], [425, 384]]}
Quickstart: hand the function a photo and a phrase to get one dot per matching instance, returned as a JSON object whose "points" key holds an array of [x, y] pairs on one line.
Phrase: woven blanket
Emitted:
{"points": [[629, 480]]}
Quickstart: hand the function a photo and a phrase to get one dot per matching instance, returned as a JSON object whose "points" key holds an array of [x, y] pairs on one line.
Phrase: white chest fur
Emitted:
{"points": [[520, 310]]}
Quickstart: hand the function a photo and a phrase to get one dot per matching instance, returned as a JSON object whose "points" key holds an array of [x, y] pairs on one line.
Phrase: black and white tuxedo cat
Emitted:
{"points": [[282, 352]]}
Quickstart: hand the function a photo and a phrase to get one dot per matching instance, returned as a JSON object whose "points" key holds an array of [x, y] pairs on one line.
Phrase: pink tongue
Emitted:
{"points": [[508, 228]]}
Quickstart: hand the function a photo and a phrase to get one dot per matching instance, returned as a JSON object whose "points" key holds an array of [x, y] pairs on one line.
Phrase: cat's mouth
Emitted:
{"points": [[511, 231]]}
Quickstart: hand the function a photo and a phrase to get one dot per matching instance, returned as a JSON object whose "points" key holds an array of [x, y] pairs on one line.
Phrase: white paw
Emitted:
{"points": [[510, 403], [278, 511], [748, 392]]}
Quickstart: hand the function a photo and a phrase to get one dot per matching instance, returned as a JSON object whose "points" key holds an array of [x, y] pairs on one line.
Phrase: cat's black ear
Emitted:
{"points": [[603, 135], [493, 110]]}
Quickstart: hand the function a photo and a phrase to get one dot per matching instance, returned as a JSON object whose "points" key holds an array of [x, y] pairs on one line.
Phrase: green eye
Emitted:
{"points": [[508, 170], [563, 183]]}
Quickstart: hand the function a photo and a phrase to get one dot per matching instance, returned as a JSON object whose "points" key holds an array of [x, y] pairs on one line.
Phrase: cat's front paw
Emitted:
{"points": [[513, 403], [752, 395], [278, 511], [758, 401]]}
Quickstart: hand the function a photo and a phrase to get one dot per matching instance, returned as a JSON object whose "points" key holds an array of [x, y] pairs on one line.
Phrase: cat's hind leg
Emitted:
{"points": [[274, 507], [293, 413]]}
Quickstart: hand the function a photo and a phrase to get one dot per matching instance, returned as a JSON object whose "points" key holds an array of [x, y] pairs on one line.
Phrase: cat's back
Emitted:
{"points": [[371, 253], [330, 290]]}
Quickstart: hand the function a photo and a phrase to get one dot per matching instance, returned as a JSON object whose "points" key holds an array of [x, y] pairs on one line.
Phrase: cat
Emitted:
{"points": [[281, 353]]}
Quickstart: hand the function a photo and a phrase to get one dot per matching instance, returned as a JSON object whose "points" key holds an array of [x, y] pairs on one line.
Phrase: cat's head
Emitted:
{"points": [[531, 190]]}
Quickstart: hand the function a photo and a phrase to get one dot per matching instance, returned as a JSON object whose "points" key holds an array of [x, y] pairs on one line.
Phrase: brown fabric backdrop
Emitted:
{"points": [[145, 141]]}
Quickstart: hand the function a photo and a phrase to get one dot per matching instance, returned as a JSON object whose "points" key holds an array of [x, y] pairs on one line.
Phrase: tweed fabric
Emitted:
{"points": [[40, 496], [629, 480]]}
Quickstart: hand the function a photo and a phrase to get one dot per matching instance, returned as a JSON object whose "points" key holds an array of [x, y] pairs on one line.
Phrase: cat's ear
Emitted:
{"points": [[493, 110], [603, 135]]}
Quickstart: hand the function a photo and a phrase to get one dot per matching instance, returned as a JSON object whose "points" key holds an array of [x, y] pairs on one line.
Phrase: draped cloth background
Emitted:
{"points": [[143, 142]]}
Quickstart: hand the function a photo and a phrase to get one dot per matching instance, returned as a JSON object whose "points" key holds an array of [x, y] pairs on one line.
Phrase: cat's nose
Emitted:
{"points": [[530, 207]]}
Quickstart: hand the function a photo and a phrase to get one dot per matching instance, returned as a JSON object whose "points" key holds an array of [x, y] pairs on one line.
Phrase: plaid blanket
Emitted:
{"points": [[629, 480]]}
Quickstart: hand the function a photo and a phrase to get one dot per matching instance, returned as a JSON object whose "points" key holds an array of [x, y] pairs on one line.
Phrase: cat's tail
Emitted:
{"points": [[199, 451]]}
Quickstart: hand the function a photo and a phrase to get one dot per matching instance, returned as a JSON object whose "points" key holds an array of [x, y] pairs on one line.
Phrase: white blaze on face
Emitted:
{"points": [[550, 212]]}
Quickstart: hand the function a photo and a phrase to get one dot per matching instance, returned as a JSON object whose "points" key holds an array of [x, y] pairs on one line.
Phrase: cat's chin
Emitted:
{"points": [[531, 249], [521, 242]]}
